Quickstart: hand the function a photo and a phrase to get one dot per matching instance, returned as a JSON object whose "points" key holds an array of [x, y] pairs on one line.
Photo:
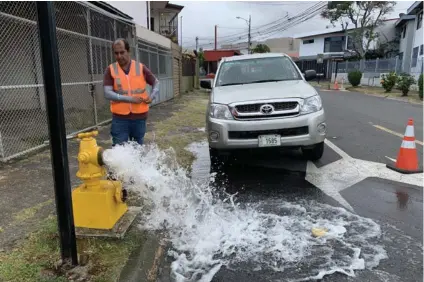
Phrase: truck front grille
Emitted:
{"points": [[278, 106], [285, 132]]}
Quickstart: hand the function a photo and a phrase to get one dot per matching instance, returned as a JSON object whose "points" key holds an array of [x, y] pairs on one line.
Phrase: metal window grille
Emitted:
{"points": [[85, 34]]}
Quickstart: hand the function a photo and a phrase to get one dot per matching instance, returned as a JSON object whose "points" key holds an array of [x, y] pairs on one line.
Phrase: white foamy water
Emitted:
{"points": [[208, 231]]}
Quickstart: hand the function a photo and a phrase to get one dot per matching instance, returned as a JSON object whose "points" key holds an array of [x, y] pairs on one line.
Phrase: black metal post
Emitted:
{"points": [[56, 120]]}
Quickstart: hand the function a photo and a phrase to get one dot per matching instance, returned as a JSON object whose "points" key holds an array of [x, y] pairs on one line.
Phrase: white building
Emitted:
{"points": [[158, 16], [332, 41], [410, 28]]}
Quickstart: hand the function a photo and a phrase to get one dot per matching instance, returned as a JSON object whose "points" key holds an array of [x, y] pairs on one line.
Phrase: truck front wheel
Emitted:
{"points": [[315, 152]]}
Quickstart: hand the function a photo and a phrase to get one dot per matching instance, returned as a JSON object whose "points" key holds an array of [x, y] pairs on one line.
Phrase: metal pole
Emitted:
{"points": [[181, 32], [216, 27], [248, 37], [56, 121], [197, 42]]}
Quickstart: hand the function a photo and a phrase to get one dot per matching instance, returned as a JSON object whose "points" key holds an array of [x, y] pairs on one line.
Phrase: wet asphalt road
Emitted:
{"points": [[396, 207]]}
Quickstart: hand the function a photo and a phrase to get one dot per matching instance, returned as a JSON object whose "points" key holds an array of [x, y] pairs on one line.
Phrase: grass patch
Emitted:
{"points": [[30, 212], [35, 259], [182, 128]]}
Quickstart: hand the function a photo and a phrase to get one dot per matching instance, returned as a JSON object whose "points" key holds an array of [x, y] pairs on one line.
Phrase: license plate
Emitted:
{"points": [[269, 140]]}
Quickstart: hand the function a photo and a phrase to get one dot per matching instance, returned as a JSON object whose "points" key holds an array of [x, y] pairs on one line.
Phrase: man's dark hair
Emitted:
{"points": [[126, 44]]}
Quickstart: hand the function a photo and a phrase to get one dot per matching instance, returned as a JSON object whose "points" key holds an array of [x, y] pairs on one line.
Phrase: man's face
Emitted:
{"points": [[122, 56]]}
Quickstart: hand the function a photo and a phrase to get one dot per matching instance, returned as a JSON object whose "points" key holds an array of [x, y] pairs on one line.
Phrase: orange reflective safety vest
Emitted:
{"points": [[132, 84]]}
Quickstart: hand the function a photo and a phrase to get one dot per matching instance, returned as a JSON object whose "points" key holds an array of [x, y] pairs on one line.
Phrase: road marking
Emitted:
{"points": [[393, 160], [394, 132], [348, 171]]}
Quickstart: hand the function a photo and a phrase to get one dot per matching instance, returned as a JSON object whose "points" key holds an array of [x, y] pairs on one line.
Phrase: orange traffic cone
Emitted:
{"points": [[336, 85], [407, 160]]}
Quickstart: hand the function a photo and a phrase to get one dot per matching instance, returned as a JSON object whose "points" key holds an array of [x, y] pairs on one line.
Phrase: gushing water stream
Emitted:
{"points": [[208, 229]]}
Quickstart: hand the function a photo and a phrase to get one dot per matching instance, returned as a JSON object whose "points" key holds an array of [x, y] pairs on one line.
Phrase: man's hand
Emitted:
{"points": [[148, 100], [137, 100]]}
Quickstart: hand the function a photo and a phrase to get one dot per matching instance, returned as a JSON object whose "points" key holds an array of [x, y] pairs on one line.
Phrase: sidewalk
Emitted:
{"points": [[28, 196], [395, 94]]}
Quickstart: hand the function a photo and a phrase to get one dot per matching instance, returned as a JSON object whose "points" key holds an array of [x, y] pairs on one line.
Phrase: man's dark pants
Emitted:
{"points": [[124, 130]]}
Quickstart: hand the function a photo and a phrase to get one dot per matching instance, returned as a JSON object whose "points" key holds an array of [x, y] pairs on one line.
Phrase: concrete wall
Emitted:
{"points": [[312, 49], [153, 37], [418, 34], [276, 45], [176, 68], [187, 83], [283, 45], [417, 42], [368, 81], [135, 9], [409, 40]]}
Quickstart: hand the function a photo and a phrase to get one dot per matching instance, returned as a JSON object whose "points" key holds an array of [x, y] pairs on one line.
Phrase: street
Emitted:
{"points": [[352, 174]]}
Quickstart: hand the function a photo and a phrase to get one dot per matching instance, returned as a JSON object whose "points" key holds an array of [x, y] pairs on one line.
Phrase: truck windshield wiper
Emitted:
{"points": [[268, 80], [235, 83]]}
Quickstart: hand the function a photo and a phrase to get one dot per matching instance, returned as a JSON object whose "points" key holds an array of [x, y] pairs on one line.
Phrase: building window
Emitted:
{"points": [[419, 20], [414, 57], [334, 44], [404, 31], [308, 41], [421, 50]]}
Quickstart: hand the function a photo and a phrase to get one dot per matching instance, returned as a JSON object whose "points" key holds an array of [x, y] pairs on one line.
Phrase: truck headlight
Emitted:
{"points": [[311, 105], [220, 111]]}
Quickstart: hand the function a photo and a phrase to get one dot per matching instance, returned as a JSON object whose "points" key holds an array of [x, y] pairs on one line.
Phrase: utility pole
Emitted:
{"points": [[181, 21], [56, 122], [248, 37], [197, 42], [216, 28]]}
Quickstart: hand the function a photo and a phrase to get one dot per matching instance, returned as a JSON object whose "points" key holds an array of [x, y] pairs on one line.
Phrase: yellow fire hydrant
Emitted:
{"points": [[97, 203]]}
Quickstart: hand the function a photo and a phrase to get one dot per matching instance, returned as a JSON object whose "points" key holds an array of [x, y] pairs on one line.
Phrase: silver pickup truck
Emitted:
{"points": [[263, 100]]}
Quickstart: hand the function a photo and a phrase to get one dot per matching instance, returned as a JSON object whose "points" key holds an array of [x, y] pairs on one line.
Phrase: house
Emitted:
{"points": [[164, 19], [160, 17], [410, 28], [212, 58], [331, 43]]}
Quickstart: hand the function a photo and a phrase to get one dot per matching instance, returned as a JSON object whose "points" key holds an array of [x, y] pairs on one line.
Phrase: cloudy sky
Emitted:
{"points": [[200, 17]]}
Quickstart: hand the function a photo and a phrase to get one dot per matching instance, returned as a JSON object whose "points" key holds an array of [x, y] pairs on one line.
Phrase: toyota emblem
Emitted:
{"points": [[267, 109]]}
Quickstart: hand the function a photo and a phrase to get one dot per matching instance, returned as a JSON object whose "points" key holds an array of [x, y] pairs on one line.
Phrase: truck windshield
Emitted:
{"points": [[257, 71]]}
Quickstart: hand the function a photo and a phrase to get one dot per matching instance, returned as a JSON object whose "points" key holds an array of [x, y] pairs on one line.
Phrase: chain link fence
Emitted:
{"points": [[85, 34], [370, 66]]}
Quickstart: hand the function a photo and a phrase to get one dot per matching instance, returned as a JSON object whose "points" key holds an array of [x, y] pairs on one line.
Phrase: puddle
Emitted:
{"points": [[209, 228]]}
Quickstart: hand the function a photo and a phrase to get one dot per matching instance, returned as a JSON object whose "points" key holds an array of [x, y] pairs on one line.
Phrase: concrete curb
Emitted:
{"points": [[144, 262], [388, 97]]}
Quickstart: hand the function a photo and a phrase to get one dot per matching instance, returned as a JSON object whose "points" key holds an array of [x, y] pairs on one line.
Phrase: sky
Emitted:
{"points": [[200, 17]]}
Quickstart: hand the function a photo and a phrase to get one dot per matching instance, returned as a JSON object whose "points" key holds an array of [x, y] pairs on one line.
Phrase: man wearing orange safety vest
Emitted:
{"points": [[125, 84]]}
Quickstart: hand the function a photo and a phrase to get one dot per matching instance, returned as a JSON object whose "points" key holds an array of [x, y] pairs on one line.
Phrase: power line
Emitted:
{"points": [[277, 25]]}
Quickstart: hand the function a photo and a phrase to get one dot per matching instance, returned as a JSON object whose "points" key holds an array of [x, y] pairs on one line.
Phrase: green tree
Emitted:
{"points": [[261, 48], [201, 56], [364, 17]]}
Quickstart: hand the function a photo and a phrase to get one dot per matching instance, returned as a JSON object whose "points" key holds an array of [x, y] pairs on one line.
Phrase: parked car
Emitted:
{"points": [[263, 100]]}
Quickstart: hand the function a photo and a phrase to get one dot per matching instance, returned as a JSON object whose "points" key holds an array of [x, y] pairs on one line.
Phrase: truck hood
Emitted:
{"points": [[262, 91]]}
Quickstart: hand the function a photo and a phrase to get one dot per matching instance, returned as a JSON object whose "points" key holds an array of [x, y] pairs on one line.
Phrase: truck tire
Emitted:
{"points": [[314, 153]]}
